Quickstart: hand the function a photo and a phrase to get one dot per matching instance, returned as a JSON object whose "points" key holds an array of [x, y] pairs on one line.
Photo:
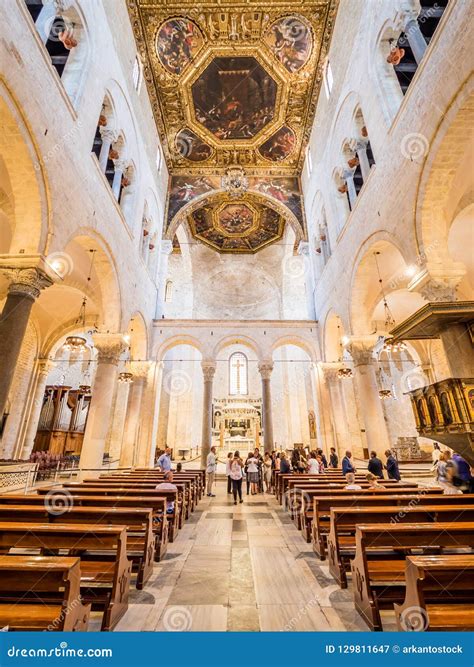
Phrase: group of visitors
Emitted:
{"points": [[373, 482], [453, 472], [375, 466]]}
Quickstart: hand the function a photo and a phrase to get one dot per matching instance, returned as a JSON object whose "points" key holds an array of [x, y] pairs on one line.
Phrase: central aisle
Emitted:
{"points": [[240, 568]]}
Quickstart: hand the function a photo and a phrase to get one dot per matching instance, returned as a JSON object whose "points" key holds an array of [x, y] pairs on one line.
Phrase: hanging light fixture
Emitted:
{"points": [[345, 372], [385, 393], [126, 376], [390, 345], [78, 342]]}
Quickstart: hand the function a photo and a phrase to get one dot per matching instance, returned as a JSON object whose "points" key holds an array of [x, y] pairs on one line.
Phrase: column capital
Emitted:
{"points": [[408, 12], [265, 369], [108, 134], [140, 369], [166, 247], [109, 347], [438, 283], [208, 370], [303, 248], [438, 291], [45, 366], [26, 281], [362, 350]]}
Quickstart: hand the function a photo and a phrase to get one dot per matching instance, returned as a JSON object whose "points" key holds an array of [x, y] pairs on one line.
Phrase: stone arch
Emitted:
{"points": [[445, 179], [26, 206], [297, 341], [175, 341], [239, 339], [138, 332], [365, 290]]}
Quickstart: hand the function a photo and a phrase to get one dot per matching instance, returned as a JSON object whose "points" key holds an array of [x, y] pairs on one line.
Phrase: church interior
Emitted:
{"points": [[227, 227]]}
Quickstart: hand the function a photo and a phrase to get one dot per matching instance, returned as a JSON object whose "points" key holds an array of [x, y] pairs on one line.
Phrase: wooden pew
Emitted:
{"points": [[344, 521], [299, 494], [130, 495], [157, 505], [281, 480], [139, 523], [320, 520], [450, 579], [379, 582], [195, 478], [42, 593], [105, 568]]}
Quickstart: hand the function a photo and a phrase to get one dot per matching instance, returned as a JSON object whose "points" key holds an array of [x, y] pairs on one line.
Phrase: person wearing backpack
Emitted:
{"points": [[236, 476]]}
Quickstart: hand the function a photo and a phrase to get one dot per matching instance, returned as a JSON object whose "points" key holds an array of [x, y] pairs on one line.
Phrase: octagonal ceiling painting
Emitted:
{"points": [[238, 227], [233, 87]]}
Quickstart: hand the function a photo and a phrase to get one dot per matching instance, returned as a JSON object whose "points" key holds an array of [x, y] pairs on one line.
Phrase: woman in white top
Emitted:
{"points": [[228, 464], [236, 465], [313, 464], [252, 474], [267, 467]]}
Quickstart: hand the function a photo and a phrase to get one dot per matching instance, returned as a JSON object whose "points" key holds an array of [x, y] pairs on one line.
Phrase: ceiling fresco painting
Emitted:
{"points": [[234, 86]]}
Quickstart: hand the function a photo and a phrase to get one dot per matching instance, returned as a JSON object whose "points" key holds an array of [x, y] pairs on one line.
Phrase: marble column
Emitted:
{"points": [[129, 452], [118, 421], [25, 287], [166, 248], [265, 369], [361, 149], [416, 39], [109, 348], [44, 368], [324, 425], [208, 371], [376, 430], [340, 421], [108, 136], [148, 444], [348, 176]]}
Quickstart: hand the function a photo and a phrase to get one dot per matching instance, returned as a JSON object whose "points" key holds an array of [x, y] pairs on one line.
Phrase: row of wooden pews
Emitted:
{"points": [[403, 547], [81, 544]]}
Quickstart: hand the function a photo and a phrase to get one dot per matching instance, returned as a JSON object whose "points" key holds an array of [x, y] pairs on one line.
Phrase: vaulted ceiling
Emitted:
{"points": [[234, 84]]}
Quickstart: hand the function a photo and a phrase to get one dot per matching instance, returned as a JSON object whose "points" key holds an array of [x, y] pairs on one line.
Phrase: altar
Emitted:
{"points": [[237, 424]]}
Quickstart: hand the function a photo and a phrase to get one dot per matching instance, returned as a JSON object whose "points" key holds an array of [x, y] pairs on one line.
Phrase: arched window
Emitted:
{"points": [[238, 374], [169, 291], [137, 73]]}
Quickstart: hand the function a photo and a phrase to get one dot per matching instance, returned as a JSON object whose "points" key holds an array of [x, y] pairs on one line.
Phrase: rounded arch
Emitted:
{"points": [[445, 179], [104, 286], [175, 341], [207, 197], [297, 341], [366, 291], [26, 188], [243, 340], [138, 332]]}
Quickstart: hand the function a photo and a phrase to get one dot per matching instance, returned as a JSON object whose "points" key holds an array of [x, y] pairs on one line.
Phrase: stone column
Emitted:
{"points": [[166, 248], [416, 39], [368, 391], [25, 287], [118, 421], [108, 138], [265, 369], [151, 403], [361, 149], [120, 168], [109, 348], [208, 371], [129, 453], [348, 176], [340, 422], [303, 249], [44, 368]]}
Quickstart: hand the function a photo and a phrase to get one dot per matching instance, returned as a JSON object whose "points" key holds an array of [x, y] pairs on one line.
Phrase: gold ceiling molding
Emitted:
{"points": [[233, 83]]}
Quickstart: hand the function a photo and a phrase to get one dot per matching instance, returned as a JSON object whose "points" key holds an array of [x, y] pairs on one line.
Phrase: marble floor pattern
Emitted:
{"points": [[241, 568]]}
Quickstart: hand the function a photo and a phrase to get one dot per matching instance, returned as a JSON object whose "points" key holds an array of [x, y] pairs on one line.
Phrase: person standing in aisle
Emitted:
{"points": [[211, 471]]}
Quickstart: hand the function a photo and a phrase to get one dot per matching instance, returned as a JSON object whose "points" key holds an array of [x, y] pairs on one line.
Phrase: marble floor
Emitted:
{"points": [[240, 568]]}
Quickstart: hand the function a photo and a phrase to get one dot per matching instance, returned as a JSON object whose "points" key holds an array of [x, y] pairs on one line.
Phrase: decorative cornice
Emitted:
{"points": [[362, 350], [27, 281], [435, 291]]}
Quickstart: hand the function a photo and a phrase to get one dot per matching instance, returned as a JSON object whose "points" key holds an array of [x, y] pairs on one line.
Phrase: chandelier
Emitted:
{"points": [[235, 182], [125, 377], [385, 393], [78, 342], [392, 345], [344, 373]]}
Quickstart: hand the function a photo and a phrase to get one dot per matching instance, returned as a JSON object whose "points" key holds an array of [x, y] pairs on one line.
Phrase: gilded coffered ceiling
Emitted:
{"points": [[233, 84]]}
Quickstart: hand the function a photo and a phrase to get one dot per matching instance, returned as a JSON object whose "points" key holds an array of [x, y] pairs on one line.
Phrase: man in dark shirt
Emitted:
{"points": [[392, 466], [347, 463], [375, 465], [333, 458]]}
